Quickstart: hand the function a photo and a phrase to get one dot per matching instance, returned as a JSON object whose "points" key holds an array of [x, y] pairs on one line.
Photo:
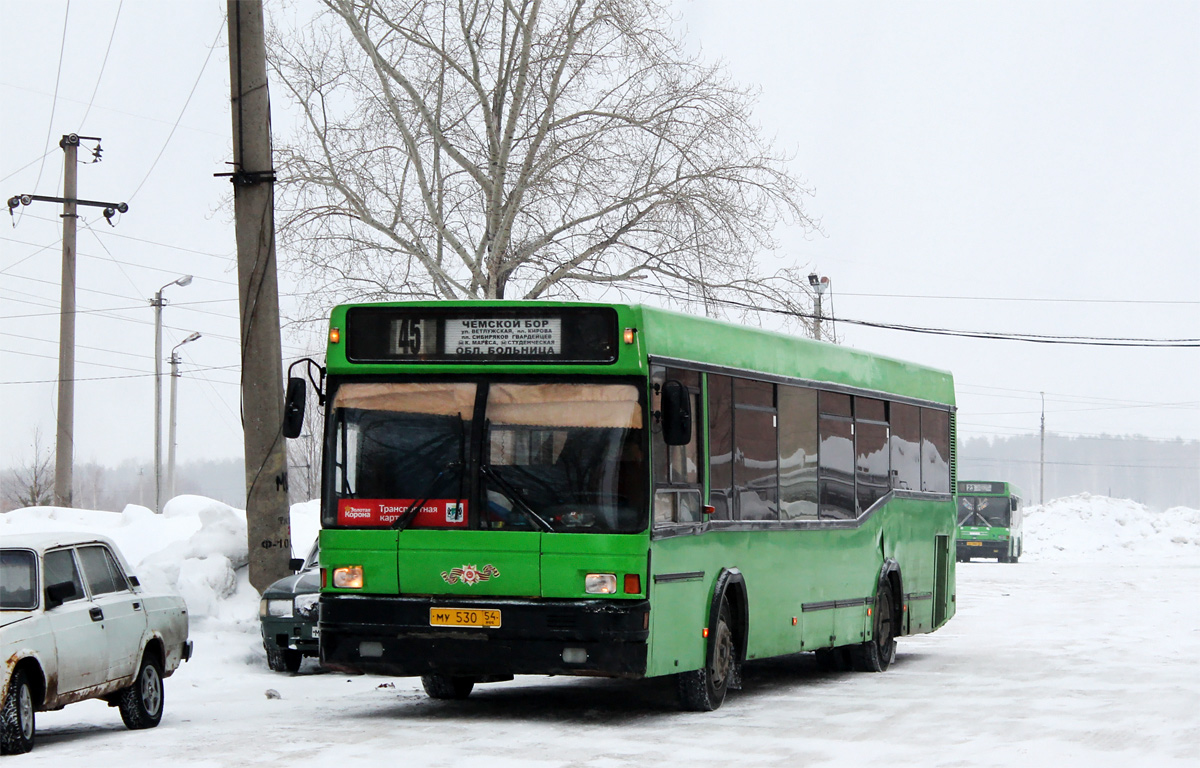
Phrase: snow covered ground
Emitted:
{"points": [[1083, 654]]}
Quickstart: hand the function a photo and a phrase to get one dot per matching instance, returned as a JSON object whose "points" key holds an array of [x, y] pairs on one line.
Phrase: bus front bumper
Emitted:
{"points": [[393, 636], [968, 548]]}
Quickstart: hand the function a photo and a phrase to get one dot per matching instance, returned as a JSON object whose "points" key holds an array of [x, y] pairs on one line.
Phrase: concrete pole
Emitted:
{"points": [[1042, 458], [268, 525], [171, 430], [64, 444], [158, 305], [817, 319]]}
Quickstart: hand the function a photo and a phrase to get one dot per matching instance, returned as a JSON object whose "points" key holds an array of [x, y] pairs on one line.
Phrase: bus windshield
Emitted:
{"points": [[989, 511], [565, 457]]}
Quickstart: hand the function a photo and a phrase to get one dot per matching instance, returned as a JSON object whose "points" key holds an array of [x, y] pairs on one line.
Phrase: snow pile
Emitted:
{"points": [[197, 547], [1090, 527]]}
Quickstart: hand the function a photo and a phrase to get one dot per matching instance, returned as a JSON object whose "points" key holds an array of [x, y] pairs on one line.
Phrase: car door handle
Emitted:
{"points": [[96, 614], [137, 606]]}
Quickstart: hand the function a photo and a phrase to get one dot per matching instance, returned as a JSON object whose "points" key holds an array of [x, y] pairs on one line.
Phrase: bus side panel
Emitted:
{"points": [[683, 571], [911, 531]]}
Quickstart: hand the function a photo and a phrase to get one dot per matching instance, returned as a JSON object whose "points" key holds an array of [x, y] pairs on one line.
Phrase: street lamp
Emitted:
{"points": [[157, 302], [171, 430], [819, 285]]}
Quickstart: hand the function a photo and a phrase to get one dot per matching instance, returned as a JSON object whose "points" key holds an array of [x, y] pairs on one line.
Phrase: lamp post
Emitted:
{"points": [[171, 421], [157, 302], [819, 286]]}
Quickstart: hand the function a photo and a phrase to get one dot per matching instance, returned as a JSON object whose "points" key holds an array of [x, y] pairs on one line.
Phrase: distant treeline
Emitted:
{"points": [[1157, 473]]}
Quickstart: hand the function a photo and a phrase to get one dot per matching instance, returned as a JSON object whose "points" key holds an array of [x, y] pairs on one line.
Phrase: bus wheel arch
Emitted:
{"points": [[889, 574], [877, 653], [704, 690]]}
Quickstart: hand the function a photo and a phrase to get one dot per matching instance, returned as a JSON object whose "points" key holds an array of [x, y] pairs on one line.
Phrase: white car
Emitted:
{"points": [[76, 624]]}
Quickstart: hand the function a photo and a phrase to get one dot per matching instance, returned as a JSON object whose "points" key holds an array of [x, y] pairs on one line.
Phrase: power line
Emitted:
{"points": [[23, 167], [54, 100], [100, 75], [1020, 299], [187, 101], [130, 376], [1090, 341]]}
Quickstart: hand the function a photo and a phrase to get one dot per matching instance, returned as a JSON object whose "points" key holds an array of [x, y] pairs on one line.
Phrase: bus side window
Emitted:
{"points": [[720, 445], [836, 457], [676, 467], [906, 447], [797, 453], [755, 450], [935, 451]]}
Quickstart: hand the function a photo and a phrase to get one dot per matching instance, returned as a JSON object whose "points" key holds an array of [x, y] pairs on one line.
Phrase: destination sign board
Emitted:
{"points": [[484, 335], [966, 486]]}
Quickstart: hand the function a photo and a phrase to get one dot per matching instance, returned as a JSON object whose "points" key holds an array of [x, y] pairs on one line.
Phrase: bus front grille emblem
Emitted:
{"points": [[471, 574]]}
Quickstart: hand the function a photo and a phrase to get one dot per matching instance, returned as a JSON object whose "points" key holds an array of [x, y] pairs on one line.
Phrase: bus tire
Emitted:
{"points": [[877, 654], [447, 686], [703, 690]]}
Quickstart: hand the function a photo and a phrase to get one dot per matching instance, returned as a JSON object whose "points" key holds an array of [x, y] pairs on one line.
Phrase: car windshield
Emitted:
{"points": [[548, 456], [18, 580], [989, 511]]}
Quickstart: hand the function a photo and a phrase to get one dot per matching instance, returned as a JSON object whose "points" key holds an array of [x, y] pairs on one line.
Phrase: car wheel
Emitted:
{"points": [[141, 704], [16, 716], [447, 687], [283, 659]]}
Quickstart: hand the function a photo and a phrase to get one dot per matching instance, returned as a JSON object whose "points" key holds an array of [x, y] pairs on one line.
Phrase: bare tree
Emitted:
{"points": [[524, 149], [32, 483]]}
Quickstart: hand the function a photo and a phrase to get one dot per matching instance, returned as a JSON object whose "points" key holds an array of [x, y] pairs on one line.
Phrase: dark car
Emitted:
{"points": [[288, 613]]}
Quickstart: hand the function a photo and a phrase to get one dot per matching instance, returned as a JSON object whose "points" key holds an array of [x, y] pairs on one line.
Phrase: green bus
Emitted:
{"points": [[613, 490], [989, 520]]}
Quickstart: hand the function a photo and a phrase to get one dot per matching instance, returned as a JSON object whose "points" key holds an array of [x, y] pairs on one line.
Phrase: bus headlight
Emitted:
{"points": [[600, 583], [348, 577], [279, 609]]}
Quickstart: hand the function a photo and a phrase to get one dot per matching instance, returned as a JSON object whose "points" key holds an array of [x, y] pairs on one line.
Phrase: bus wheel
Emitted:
{"points": [[447, 687], [703, 690], [877, 654]]}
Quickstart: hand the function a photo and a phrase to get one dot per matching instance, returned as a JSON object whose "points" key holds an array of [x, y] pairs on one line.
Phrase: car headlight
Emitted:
{"points": [[279, 609], [306, 606]]}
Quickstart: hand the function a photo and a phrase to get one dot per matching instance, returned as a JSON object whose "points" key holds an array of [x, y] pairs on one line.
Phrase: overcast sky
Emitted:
{"points": [[1028, 167]]}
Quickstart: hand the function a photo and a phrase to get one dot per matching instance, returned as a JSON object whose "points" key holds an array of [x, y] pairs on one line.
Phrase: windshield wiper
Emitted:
{"points": [[518, 499], [408, 515]]}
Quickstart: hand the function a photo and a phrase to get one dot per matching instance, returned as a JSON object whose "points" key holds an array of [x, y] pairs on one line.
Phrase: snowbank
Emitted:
{"points": [[1087, 527], [196, 547]]}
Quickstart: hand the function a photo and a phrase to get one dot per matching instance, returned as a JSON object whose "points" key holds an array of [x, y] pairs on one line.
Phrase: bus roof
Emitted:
{"points": [[678, 336]]}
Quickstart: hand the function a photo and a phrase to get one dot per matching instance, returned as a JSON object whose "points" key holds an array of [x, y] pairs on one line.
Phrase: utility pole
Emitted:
{"points": [[171, 431], [1042, 459], [157, 302], [64, 443], [268, 524]]}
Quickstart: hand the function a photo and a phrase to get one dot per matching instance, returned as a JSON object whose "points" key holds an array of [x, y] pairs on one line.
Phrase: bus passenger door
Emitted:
{"points": [[941, 580]]}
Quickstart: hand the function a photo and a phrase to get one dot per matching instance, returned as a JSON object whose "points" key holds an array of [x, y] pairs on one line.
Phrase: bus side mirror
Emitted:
{"points": [[1012, 504], [293, 407], [676, 413]]}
